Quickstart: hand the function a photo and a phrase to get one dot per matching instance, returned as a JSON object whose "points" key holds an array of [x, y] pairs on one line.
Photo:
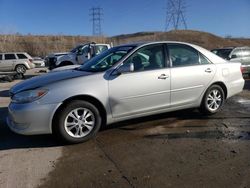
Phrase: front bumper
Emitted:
{"points": [[31, 118]]}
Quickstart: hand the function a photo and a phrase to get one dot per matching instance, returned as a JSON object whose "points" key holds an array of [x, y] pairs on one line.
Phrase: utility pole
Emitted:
{"points": [[175, 17], [96, 14]]}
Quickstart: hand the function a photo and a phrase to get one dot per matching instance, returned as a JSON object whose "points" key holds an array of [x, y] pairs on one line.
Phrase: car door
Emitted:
{"points": [[144, 90], [83, 54], [8, 62], [1, 63], [191, 72]]}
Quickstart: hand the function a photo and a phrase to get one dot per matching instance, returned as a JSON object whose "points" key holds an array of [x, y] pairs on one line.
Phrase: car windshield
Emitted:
{"points": [[74, 50], [106, 60], [224, 53]]}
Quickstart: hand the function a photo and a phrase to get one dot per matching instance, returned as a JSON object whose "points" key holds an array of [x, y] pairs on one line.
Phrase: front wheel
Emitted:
{"points": [[77, 122], [213, 100]]}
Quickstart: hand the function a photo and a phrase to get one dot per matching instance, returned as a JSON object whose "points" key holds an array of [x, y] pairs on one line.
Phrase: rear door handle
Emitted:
{"points": [[208, 70], [163, 77]]}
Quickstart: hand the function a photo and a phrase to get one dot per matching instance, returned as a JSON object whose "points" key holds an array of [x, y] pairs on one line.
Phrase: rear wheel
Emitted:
{"points": [[20, 69], [213, 100], [77, 122]]}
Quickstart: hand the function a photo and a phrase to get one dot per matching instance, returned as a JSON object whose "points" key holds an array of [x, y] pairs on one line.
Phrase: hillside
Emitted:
{"points": [[204, 39], [43, 45]]}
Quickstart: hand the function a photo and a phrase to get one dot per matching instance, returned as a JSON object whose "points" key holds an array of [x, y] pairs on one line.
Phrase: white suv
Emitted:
{"points": [[15, 61]]}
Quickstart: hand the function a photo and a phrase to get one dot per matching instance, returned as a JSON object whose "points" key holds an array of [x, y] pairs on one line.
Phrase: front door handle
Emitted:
{"points": [[208, 70], [163, 76]]}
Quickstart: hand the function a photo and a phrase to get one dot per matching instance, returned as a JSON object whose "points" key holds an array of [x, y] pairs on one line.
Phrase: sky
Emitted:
{"points": [[68, 17]]}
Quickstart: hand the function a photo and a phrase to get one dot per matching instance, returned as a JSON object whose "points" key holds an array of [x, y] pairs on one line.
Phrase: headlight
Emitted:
{"points": [[29, 96]]}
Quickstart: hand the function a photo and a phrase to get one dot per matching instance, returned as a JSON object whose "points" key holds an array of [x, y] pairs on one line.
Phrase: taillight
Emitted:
{"points": [[31, 60], [242, 69]]}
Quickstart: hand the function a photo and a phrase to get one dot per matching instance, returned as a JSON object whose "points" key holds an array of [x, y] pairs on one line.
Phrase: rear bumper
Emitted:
{"points": [[235, 87]]}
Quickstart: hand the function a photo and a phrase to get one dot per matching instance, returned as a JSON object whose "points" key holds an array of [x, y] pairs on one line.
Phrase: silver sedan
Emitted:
{"points": [[124, 82]]}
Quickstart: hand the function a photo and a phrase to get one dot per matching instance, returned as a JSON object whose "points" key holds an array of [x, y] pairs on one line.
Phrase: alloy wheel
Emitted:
{"points": [[79, 122], [214, 100]]}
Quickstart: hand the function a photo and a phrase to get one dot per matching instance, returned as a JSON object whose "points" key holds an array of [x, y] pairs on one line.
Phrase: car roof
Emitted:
{"points": [[138, 44], [232, 48], [13, 53]]}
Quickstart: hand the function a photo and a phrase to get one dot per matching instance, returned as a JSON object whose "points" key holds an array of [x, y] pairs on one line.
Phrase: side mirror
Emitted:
{"points": [[128, 67], [233, 56]]}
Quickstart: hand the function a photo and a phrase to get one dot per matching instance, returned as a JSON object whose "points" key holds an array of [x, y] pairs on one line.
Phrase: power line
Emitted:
{"points": [[175, 17], [96, 14]]}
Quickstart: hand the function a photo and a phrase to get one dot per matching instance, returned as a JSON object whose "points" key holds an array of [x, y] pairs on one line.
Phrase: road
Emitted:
{"points": [[179, 149]]}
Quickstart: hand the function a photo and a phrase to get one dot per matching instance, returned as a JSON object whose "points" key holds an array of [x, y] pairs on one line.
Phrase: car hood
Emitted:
{"points": [[41, 81], [68, 67], [57, 54]]}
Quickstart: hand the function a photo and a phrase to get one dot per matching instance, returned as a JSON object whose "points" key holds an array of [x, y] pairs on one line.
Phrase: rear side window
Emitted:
{"points": [[204, 60], [237, 53], [0, 56], [21, 56], [183, 55], [246, 52], [9, 56]]}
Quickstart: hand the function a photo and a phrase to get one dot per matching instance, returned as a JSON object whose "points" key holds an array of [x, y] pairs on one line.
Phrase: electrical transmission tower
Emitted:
{"points": [[96, 14], [175, 17]]}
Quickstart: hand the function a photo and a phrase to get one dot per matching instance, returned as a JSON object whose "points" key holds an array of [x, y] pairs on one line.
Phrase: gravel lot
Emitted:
{"points": [[180, 149]]}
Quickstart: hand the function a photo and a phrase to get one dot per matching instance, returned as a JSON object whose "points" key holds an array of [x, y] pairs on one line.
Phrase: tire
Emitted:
{"points": [[213, 100], [19, 76], [71, 127], [8, 78], [20, 69]]}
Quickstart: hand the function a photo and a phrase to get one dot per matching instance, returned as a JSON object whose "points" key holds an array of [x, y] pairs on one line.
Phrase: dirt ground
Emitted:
{"points": [[179, 149]]}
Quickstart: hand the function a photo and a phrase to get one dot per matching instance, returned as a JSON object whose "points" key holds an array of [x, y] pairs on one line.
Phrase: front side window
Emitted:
{"points": [[148, 58], [9, 56], [21, 56], [183, 55], [83, 50], [0, 56]]}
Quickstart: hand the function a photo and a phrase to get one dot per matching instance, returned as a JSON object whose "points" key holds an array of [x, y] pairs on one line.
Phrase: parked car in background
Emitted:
{"points": [[236, 54], [16, 61], [38, 61], [124, 82], [76, 56]]}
